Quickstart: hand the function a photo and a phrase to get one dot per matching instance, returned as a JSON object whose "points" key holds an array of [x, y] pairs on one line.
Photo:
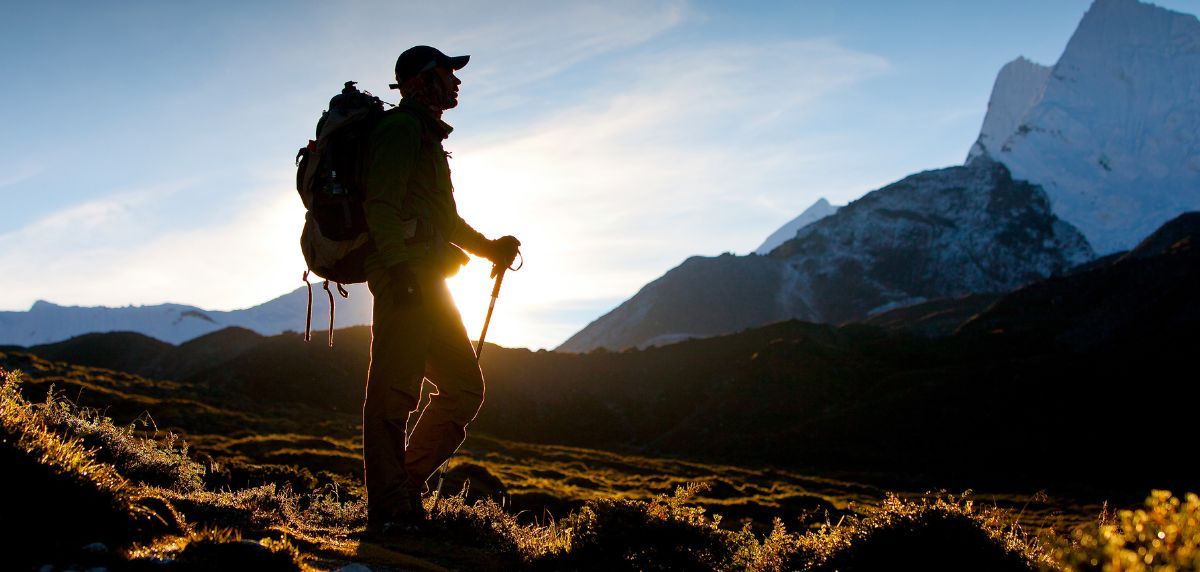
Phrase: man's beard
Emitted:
{"points": [[435, 95]]}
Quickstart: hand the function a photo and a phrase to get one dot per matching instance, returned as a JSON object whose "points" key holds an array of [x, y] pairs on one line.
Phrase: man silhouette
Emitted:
{"points": [[417, 331]]}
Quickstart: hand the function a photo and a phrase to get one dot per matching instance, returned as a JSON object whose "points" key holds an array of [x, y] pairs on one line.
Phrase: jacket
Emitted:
{"points": [[409, 203]]}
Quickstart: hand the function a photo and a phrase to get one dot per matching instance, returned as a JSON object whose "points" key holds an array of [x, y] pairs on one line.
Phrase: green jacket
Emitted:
{"points": [[409, 203]]}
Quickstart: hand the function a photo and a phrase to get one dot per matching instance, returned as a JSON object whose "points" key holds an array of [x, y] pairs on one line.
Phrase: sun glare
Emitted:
{"points": [[495, 192]]}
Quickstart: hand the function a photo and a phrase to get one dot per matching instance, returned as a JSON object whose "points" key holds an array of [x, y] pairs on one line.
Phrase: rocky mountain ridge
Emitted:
{"points": [[942, 233]]}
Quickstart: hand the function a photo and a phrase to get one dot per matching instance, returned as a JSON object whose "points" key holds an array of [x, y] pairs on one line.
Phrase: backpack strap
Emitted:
{"points": [[308, 314], [330, 294]]}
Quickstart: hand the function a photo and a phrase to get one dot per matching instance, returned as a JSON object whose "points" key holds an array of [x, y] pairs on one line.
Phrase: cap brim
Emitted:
{"points": [[458, 62]]}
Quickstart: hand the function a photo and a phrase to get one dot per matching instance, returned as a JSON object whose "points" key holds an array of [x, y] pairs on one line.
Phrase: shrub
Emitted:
{"points": [[1163, 535], [661, 534], [934, 532]]}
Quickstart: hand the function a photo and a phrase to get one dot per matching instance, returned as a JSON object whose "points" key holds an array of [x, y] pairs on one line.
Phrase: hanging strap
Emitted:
{"points": [[308, 314], [330, 294]]}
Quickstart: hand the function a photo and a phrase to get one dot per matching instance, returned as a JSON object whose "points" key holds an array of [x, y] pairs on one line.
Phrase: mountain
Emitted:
{"points": [[175, 323], [814, 213], [1110, 131], [936, 234]]}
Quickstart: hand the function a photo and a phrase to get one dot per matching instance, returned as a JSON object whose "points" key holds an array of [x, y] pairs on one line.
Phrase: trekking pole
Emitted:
{"points": [[487, 320]]}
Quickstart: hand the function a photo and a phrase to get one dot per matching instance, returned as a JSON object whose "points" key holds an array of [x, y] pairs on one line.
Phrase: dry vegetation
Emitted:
{"points": [[75, 478]]}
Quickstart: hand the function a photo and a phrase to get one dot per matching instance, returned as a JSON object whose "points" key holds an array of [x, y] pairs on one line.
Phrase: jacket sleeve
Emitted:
{"points": [[468, 238], [390, 159]]}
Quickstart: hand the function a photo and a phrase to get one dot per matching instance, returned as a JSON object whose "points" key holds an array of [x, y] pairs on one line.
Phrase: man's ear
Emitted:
{"points": [[411, 86]]}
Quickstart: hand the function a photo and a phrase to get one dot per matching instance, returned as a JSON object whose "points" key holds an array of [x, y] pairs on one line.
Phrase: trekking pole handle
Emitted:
{"points": [[499, 277]]}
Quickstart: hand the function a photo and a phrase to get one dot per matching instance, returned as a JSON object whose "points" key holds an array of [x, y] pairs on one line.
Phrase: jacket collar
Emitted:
{"points": [[437, 126]]}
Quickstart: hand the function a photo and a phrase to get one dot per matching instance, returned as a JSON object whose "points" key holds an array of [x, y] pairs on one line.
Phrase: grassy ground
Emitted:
{"points": [[255, 487], [244, 443]]}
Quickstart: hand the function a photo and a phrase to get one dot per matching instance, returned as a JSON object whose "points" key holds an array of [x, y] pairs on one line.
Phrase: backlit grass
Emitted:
{"points": [[76, 476]]}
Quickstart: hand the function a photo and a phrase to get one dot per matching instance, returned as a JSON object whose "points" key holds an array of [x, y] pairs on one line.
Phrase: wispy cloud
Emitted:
{"points": [[12, 175]]}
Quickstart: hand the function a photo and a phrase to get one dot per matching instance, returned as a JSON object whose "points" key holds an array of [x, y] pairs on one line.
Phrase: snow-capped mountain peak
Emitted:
{"points": [[813, 213], [1112, 133], [1019, 86]]}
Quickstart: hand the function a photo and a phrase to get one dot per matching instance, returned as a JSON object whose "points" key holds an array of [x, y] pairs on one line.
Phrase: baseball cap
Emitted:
{"points": [[419, 59]]}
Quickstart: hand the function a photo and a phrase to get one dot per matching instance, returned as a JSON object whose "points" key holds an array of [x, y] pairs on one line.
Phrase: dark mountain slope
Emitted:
{"points": [[1137, 301], [135, 353], [285, 368], [122, 351], [206, 352]]}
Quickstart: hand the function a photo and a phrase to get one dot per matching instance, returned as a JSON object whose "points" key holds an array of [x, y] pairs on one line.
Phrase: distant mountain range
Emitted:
{"points": [[176, 323], [1105, 141]]}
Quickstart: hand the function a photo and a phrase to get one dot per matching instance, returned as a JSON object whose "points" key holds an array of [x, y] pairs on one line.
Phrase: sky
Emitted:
{"points": [[147, 149]]}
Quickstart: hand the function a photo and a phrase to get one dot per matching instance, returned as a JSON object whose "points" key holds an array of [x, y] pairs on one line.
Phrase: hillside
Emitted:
{"points": [[276, 488], [263, 486]]}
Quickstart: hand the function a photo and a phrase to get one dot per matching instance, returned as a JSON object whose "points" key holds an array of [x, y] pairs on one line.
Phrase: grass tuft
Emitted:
{"points": [[57, 497], [157, 462]]}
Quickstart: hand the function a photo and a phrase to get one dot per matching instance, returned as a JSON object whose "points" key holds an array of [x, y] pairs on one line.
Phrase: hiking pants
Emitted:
{"points": [[409, 343]]}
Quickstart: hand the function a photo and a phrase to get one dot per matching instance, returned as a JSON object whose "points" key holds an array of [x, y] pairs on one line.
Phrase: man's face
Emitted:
{"points": [[443, 88]]}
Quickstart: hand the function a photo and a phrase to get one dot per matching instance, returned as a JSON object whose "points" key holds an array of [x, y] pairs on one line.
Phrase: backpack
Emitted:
{"points": [[329, 174]]}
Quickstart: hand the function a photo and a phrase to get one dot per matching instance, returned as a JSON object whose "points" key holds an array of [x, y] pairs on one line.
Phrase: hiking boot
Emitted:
{"points": [[407, 517], [415, 508]]}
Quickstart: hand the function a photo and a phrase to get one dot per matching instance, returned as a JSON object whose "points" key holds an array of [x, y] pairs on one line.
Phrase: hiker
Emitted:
{"points": [[417, 331]]}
